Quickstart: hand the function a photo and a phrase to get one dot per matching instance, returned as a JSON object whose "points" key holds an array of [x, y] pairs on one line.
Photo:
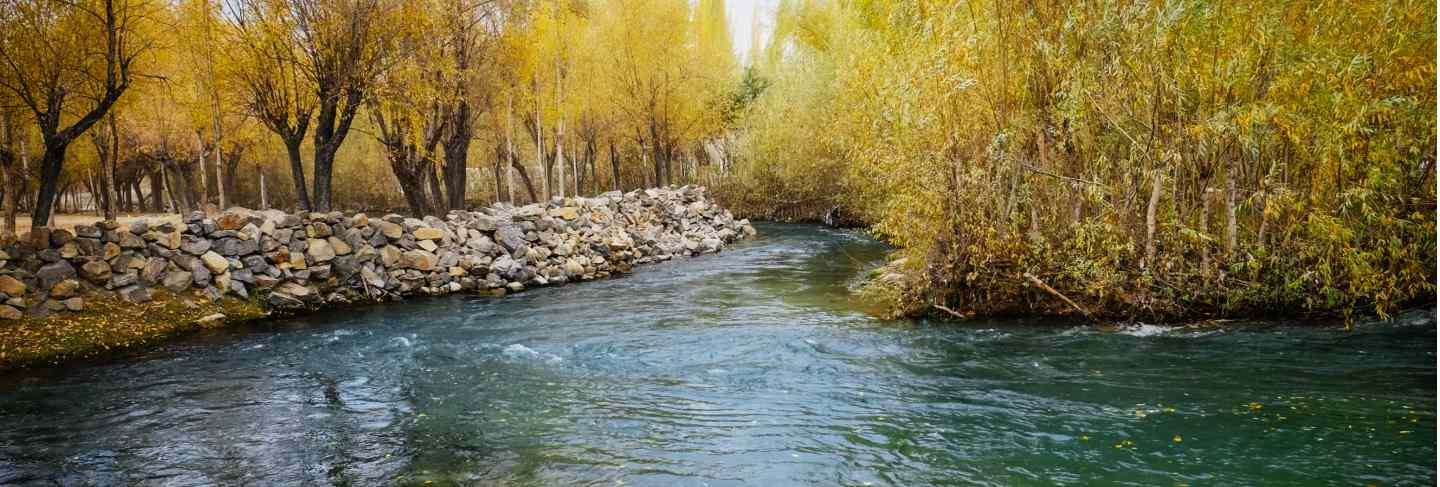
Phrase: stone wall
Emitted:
{"points": [[289, 261]]}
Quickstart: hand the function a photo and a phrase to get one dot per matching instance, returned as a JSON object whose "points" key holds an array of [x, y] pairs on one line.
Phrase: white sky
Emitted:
{"points": [[742, 15]]}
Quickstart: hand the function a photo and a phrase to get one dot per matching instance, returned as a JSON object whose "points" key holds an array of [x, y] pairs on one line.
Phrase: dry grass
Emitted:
{"points": [[69, 221]]}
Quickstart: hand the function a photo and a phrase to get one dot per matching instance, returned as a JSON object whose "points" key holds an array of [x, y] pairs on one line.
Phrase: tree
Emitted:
{"points": [[47, 64]]}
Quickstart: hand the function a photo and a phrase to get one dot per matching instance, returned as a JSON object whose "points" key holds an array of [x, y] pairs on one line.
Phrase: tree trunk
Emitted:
{"points": [[524, 176], [560, 157], [264, 195], [509, 149], [50, 165], [1231, 229], [457, 149], [297, 174], [614, 169]]}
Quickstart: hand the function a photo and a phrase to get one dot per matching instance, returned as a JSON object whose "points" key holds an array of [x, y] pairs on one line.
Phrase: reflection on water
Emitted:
{"points": [[747, 367]]}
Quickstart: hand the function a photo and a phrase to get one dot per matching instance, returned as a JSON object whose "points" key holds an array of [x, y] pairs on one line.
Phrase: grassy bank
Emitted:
{"points": [[109, 325]]}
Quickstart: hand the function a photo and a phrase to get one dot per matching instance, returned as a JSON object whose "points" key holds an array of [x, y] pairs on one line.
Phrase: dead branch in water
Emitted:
{"points": [[1038, 283], [952, 312]]}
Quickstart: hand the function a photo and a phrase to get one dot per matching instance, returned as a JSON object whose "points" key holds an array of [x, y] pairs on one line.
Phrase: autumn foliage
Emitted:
{"points": [[1148, 159]]}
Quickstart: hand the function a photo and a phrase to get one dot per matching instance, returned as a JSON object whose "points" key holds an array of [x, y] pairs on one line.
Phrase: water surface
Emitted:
{"points": [[750, 367]]}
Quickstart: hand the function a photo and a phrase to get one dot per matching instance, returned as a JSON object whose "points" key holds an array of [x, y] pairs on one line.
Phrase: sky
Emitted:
{"points": [[742, 15]]}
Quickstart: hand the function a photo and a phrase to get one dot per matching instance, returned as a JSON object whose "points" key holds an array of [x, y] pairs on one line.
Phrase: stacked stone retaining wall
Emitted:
{"points": [[298, 261]]}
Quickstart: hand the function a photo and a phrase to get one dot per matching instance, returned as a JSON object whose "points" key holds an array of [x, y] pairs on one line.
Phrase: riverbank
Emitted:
{"points": [[107, 286]]}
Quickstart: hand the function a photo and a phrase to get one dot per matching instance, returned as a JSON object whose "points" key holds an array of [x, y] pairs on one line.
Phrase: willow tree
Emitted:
{"points": [[50, 62]]}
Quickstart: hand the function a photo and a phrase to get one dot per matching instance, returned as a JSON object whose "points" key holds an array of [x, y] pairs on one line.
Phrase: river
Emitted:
{"points": [[749, 367]]}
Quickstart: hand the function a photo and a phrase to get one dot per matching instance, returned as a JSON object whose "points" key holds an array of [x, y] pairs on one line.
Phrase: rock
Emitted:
{"points": [[96, 271], [179, 280], [573, 268], [195, 245], [511, 236], [211, 320], [128, 278], [372, 278], [236, 247], [320, 250], [64, 289], [391, 230], [428, 233], [54, 272], [317, 230], [506, 267], [9, 313], [418, 260], [339, 246], [215, 262], [290, 295], [483, 223], [428, 245], [389, 256], [131, 241], [153, 270], [87, 231], [711, 244], [135, 294], [60, 236], [12, 287], [567, 213], [110, 251], [74, 304], [232, 220], [70, 250]]}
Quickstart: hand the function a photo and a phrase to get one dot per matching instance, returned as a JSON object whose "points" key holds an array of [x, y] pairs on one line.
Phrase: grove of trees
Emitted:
{"points": [[159, 105]]}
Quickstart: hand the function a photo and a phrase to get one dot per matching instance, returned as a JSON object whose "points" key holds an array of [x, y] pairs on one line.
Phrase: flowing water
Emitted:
{"points": [[747, 367]]}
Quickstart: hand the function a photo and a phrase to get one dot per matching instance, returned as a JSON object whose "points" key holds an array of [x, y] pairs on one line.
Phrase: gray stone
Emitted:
{"points": [[126, 279], [9, 313], [195, 245], [74, 304], [54, 272], [511, 236], [215, 262], [153, 270], [179, 280], [135, 294]]}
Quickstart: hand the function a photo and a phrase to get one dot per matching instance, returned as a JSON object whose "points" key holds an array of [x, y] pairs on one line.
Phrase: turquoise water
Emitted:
{"points": [[750, 367]]}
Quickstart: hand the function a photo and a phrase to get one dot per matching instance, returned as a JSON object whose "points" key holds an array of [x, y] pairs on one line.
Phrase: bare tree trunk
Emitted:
{"points": [[560, 157], [264, 195], [1156, 180], [1231, 229], [509, 148], [107, 182], [204, 174], [540, 144]]}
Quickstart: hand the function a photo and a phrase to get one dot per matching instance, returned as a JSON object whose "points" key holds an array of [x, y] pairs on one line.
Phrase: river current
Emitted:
{"points": [[748, 367]]}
